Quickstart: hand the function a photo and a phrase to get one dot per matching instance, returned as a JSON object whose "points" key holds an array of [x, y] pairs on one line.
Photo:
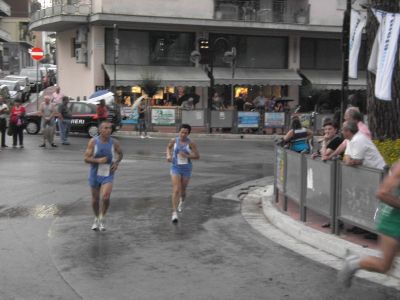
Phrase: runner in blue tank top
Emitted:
{"points": [[100, 154], [180, 152]]}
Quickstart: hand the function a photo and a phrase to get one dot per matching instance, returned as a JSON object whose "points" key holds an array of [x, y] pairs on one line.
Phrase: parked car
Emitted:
{"points": [[5, 93], [23, 83], [31, 74], [14, 89], [84, 119]]}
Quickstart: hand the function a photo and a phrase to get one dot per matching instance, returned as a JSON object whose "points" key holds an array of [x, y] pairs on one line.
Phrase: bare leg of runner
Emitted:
{"points": [[184, 184], [95, 206], [176, 193], [389, 247], [105, 203]]}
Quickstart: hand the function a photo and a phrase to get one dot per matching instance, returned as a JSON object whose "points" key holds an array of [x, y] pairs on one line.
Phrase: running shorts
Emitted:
{"points": [[97, 181], [182, 170]]}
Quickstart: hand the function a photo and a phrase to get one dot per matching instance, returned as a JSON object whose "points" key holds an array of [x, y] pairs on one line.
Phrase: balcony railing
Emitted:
{"points": [[5, 36], [78, 9], [251, 11]]}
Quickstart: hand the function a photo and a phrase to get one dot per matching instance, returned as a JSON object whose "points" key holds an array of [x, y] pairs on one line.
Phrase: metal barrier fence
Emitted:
{"points": [[331, 189], [357, 203]]}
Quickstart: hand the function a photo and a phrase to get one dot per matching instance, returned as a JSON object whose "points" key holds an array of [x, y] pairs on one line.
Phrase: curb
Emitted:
{"points": [[227, 136], [258, 209]]}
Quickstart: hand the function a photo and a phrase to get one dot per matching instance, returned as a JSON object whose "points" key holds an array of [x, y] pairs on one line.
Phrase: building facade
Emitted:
{"points": [[16, 40], [279, 44]]}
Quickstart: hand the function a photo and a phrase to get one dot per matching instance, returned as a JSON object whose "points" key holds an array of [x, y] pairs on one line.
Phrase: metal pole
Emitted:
{"points": [[37, 85], [211, 94], [116, 55], [345, 59]]}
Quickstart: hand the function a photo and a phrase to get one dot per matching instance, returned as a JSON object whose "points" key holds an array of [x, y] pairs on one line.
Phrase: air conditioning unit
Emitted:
{"points": [[81, 35], [81, 55]]}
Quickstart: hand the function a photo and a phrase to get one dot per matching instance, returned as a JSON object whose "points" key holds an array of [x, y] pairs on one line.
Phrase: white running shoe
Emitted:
{"points": [[95, 225], [348, 270], [180, 205], [174, 218], [142, 136], [101, 226]]}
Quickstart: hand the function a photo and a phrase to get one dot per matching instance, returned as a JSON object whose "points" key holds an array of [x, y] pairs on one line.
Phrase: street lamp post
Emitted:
{"points": [[116, 55], [229, 57], [345, 59]]}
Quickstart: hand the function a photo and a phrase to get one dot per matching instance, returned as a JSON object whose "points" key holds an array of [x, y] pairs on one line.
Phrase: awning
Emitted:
{"points": [[167, 75], [332, 80], [247, 76]]}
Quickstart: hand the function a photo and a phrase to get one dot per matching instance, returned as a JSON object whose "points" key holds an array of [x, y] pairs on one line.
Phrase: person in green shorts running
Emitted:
{"points": [[388, 225]]}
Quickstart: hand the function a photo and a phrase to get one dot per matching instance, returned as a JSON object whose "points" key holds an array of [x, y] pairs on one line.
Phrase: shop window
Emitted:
{"points": [[252, 51], [151, 48], [314, 54]]}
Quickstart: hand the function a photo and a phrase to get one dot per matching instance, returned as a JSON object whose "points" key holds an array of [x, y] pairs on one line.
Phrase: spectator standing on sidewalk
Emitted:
{"points": [[57, 96], [3, 121], [48, 112], [65, 116], [298, 137], [17, 123], [142, 119], [360, 150], [331, 140], [259, 102], [101, 112], [351, 114], [388, 225]]}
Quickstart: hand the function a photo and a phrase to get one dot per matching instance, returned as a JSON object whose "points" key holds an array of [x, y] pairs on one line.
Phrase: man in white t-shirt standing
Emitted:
{"points": [[360, 149]]}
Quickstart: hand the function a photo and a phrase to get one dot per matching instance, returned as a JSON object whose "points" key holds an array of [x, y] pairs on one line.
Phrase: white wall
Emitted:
{"points": [[203, 9], [78, 79], [326, 12]]}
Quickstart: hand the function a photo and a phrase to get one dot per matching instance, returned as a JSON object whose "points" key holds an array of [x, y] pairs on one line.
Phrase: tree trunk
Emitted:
{"points": [[383, 116]]}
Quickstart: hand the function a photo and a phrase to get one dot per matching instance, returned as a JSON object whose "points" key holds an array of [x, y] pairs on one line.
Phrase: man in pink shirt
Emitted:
{"points": [[351, 114], [57, 96]]}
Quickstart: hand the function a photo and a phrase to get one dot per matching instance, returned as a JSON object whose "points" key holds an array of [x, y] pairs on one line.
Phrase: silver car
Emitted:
{"points": [[23, 84], [14, 89]]}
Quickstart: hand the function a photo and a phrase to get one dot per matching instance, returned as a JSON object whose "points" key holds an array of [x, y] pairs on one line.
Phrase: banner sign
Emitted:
{"points": [[163, 116], [248, 119], [274, 120], [129, 116], [357, 24], [383, 54]]}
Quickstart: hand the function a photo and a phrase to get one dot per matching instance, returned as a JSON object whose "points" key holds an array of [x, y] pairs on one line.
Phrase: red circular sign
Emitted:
{"points": [[37, 53]]}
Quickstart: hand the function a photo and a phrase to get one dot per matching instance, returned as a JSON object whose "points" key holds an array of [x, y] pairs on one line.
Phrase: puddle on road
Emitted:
{"points": [[40, 211]]}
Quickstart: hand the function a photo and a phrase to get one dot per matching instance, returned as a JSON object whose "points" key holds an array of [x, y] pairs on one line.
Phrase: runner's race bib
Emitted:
{"points": [[103, 170]]}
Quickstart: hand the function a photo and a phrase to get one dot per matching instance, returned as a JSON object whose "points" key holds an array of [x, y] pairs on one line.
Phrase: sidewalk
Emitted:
{"points": [[259, 209]]}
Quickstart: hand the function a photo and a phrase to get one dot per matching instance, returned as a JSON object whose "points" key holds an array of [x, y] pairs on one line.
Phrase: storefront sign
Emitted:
{"points": [[161, 116], [274, 120], [248, 119], [129, 116]]}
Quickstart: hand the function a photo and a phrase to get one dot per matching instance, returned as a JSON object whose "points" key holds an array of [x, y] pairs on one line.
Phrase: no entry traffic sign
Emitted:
{"points": [[37, 53]]}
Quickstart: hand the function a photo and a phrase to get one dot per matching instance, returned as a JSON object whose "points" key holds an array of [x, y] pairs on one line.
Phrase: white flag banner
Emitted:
{"points": [[389, 36], [379, 14], [373, 59], [357, 24]]}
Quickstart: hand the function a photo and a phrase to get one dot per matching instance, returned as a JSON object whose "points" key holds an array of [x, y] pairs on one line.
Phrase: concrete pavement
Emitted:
{"points": [[262, 214]]}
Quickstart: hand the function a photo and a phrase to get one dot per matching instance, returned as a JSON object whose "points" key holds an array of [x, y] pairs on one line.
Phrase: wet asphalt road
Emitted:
{"points": [[49, 252]]}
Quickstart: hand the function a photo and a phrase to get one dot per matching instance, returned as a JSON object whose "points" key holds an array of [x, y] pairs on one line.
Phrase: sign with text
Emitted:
{"points": [[129, 116], [274, 120], [163, 116], [248, 119]]}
